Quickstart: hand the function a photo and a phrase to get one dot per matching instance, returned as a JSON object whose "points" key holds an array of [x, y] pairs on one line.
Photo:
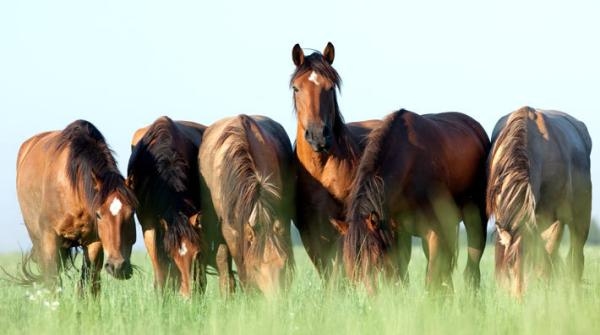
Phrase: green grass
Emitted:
{"points": [[132, 307]]}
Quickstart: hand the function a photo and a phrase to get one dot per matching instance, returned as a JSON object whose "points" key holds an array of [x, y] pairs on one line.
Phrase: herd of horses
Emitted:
{"points": [[357, 193]]}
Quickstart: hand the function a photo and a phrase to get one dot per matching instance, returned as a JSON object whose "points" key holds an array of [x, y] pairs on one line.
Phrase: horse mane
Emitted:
{"points": [[165, 181], [509, 196], [249, 196], [90, 160], [367, 196]]}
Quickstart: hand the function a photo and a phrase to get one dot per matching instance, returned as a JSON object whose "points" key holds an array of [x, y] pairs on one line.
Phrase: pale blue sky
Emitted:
{"points": [[121, 64]]}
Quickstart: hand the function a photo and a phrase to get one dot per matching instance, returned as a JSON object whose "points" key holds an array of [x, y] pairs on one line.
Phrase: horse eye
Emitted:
{"points": [[98, 216], [295, 89]]}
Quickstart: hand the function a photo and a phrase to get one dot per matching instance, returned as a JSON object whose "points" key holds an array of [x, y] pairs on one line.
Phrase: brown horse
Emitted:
{"points": [[539, 181], [72, 194], [327, 153], [246, 165], [420, 175], [163, 172]]}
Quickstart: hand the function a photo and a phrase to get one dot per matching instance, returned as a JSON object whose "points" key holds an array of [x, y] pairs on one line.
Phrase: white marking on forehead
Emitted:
{"points": [[183, 250], [115, 206], [314, 77]]}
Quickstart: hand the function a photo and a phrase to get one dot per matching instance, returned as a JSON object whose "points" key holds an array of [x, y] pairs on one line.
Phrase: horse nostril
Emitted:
{"points": [[110, 268]]}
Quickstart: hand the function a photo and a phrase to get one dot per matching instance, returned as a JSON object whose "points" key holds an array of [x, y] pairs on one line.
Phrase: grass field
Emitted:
{"points": [[132, 307]]}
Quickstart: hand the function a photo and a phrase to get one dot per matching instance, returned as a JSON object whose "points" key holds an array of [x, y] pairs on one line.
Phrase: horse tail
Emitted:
{"points": [[510, 198], [248, 194], [369, 233], [26, 276]]}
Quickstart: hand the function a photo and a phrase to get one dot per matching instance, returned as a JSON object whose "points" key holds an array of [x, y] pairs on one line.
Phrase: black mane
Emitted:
{"points": [[164, 172], [90, 160]]}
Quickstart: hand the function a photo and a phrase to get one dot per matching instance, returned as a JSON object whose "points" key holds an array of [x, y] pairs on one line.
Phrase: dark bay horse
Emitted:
{"points": [[539, 181], [246, 164], [420, 175], [72, 194], [163, 172], [327, 152]]}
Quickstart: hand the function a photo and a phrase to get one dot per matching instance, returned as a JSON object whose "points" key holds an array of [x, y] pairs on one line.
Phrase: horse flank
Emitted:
{"points": [[509, 197], [166, 184], [249, 195], [91, 159]]}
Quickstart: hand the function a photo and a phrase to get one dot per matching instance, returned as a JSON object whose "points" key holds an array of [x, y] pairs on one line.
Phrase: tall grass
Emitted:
{"points": [[133, 307]]}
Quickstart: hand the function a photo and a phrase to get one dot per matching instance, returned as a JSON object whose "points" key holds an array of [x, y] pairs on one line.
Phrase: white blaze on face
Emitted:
{"points": [[314, 77], [115, 206], [183, 249]]}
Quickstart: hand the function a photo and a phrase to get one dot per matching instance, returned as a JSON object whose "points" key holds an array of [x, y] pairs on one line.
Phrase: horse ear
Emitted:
{"points": [[129, 182], [339, 225], [297, 55], [164, 224], [329, 53], [196, 220], [373, 221]]}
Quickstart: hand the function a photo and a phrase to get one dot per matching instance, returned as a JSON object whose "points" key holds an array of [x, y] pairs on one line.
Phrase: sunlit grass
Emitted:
{"points": [[133, 307]]}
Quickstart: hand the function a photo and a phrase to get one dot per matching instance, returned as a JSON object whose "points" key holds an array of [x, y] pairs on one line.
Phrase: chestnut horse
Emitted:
{"points": [[327, 152], [248, 178], [163, 172], [420, 175], [539, 181], [72, 194]]}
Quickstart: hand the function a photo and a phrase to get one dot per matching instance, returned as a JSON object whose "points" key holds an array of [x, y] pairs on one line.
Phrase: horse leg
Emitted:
{"points": [[439, 265], [199, 273], [93, 257], [475, 221], [551, 237], [317, 247], [49, 258], [404, 251], [158, 264], [578, 236], [226, 280]]}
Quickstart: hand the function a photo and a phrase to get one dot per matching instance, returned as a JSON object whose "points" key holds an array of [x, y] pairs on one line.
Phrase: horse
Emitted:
{"points": [[539, 181], [72, 194], [419, 175], [248, 202], [327, 151], [163, 173]]}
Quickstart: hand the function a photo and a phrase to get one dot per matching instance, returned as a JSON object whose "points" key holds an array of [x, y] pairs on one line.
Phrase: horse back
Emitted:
{"points": [[559, 149], [458, 145], [360, 130]]}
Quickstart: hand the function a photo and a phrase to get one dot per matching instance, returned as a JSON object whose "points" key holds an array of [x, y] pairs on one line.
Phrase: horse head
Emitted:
{"points": [[314, 83], [116, 228]]}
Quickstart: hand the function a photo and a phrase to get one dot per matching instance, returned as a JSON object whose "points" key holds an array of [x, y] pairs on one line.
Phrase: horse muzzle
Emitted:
{"points": [[120, 269], [319, 138]]}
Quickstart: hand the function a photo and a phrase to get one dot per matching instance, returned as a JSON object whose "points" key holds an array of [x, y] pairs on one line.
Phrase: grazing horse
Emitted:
{"points": [[163, 173], [247, 170], [327, 152], [539, 181], [420, 175], [72, 194]]}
